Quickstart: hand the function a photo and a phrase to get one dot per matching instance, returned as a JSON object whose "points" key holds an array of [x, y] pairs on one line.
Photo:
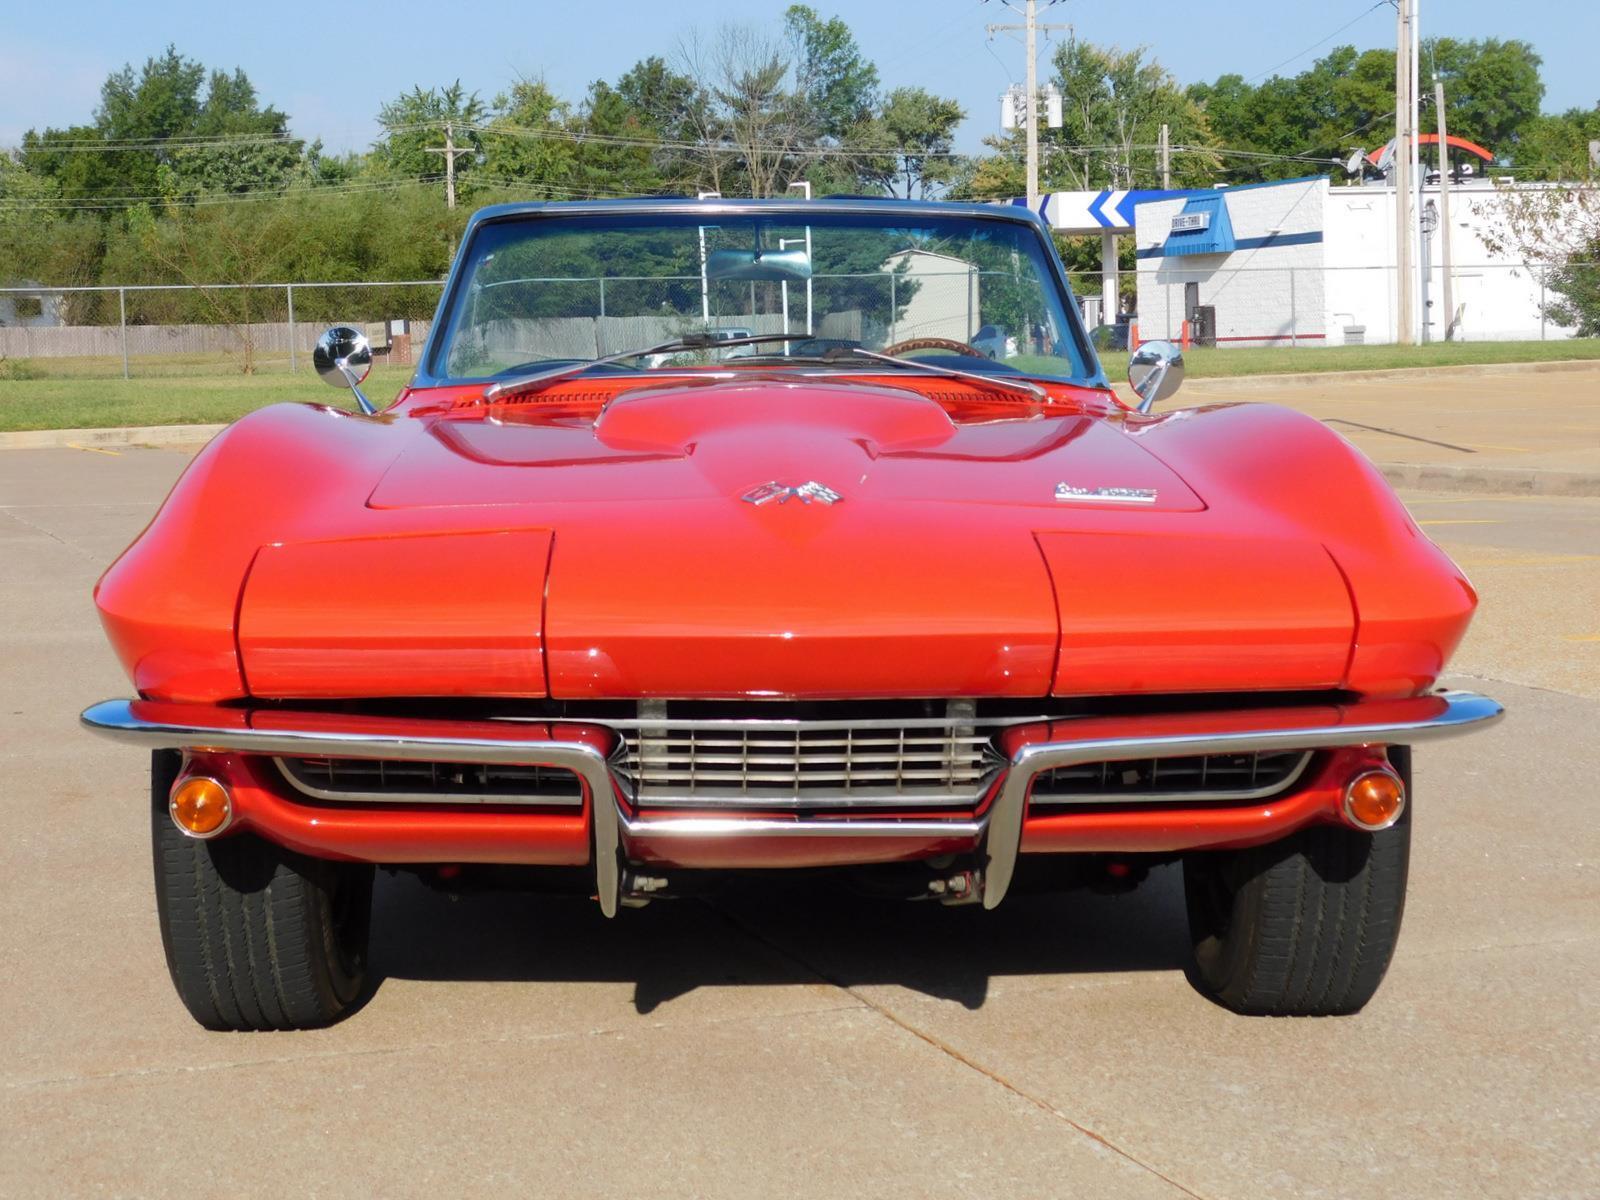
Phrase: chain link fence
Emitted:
{"points": [[220, 329], [168, 330]]}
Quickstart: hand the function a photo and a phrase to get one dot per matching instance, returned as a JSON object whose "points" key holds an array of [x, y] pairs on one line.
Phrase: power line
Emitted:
{"points": [[1320, 42]]}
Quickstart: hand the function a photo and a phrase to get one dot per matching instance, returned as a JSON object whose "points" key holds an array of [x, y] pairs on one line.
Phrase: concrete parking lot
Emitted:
{"points": [[800, 1040]]}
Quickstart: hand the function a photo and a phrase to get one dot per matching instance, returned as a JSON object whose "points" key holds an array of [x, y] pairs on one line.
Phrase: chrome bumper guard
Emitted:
{"points": [[999, 829]]}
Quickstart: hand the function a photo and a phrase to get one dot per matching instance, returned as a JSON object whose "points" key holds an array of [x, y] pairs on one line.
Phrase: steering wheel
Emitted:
{"points": [[933, 343]]}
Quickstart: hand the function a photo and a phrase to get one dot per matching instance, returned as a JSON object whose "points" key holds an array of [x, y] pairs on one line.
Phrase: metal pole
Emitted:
{"points": [[602, 279], [1108, 278], [1444, 210], [1403, 138], [1294, 313], [893, 296], [1166, 157], [1031, 106], [1427, 287], [1542, 272], [122, 320], [293, 363]]}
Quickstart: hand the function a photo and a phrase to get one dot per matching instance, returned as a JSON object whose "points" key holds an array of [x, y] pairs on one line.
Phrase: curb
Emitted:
{"points": [[1496, 481], [135, 435], [1317, 378]]}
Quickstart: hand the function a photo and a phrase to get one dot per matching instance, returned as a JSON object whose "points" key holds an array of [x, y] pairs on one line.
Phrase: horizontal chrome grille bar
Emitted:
{"points": [[1219, 777], [401, 781]]}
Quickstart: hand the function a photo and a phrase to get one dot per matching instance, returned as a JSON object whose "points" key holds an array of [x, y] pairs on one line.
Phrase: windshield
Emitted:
{"points": [[541, 290]]}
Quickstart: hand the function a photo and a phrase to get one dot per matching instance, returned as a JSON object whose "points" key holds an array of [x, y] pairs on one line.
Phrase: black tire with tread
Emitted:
{"points": [[256, 936], [1304, 926]]}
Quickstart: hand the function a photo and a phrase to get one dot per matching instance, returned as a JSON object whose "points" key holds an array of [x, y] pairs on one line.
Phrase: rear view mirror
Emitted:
{"points": [[773, 266]]}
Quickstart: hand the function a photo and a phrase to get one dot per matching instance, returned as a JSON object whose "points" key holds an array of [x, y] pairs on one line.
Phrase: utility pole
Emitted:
{"points": [[1166, 157], [1404, 194], [450, 155], [1444, 208], [1030, 31]]}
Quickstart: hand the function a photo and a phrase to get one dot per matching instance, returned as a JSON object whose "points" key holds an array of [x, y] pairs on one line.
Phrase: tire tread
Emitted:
{"points": [[247, 925], [1311, 922]]}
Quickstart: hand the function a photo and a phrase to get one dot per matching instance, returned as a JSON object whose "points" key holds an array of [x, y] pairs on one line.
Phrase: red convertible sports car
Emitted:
{"points": [[705, 539]]}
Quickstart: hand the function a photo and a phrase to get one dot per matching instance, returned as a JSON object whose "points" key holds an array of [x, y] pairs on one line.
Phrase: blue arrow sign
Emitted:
{"points": [[1097, 210]]}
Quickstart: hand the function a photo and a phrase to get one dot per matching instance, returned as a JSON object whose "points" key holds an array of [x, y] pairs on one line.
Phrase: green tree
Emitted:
{"points": [[1492, 88], [675, 109], [1556, 146], [414, 126], [141, 143], [838, 83], [526, 148], [917, 129], [1114, 104]]}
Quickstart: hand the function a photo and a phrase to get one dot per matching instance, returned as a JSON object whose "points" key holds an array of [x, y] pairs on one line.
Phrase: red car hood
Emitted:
{"points": [[665, 580]]}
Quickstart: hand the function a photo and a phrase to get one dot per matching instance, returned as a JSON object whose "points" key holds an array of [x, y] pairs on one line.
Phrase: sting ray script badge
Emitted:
{"points": [[782, 492], [1112, 495]]}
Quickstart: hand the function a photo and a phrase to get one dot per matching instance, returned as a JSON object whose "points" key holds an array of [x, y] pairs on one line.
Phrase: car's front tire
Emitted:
{"points": [[256, 936], [1304, 926]]}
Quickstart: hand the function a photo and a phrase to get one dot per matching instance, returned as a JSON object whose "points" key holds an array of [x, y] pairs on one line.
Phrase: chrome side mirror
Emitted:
{"points": [[1154, 372], [343, 356]]}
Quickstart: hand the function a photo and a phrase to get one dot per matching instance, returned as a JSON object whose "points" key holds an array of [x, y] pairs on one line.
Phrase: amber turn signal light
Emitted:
{"points": [[201, 806], [1374, 800]]}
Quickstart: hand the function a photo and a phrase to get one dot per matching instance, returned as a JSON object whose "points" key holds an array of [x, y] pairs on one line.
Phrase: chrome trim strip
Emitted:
{"points": [[1069, 799], [1464, 711], [692, 827], [361, 797], [735, 801], [789, 726]]}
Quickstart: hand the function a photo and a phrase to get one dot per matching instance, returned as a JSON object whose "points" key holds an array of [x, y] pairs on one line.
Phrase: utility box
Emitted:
{"points": [[1205, 325], [399, 341]]}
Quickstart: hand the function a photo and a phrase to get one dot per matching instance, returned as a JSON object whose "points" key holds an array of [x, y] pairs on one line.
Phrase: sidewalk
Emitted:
{"points": [[1495, 429]]}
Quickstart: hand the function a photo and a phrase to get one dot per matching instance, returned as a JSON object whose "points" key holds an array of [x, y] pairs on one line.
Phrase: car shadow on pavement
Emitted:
{"points": [[794, 931]]}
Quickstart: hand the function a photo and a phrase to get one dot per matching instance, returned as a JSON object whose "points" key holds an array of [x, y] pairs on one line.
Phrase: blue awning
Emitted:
{"points": [[1202, 227]]}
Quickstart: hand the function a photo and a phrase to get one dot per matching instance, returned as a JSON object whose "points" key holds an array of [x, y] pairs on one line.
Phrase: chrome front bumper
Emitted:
{"points": [[998, 830]]}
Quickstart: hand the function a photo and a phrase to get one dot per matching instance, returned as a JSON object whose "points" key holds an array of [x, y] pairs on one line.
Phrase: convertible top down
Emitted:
{"points": [[712, 535]]}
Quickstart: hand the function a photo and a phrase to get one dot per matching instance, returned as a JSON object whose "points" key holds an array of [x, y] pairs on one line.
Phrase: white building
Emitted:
{"points": [[944, 303], [1303, 262]]}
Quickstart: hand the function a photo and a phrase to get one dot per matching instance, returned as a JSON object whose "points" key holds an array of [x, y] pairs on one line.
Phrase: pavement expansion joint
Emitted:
{"points": [[945, 1048]]}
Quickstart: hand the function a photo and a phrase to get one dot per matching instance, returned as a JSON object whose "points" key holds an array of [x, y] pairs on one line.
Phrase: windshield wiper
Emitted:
{"points": [[1025, 387], [524, 384]]}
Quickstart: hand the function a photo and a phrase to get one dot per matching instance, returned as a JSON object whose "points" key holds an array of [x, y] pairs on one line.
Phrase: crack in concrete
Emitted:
{"points": [[40, 529], [944, 1047]]}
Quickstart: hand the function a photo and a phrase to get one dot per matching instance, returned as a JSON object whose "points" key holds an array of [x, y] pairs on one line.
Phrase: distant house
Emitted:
{"points": [[20, 307], [944, 303]]}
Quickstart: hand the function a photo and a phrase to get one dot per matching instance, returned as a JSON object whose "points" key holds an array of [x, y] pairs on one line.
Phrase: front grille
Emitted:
{"points": [[1236, 777], [808, 764], [396, 781]]}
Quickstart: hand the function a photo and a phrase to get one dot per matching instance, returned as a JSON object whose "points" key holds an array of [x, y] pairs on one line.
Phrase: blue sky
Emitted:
{"points": [[331, 66]]}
